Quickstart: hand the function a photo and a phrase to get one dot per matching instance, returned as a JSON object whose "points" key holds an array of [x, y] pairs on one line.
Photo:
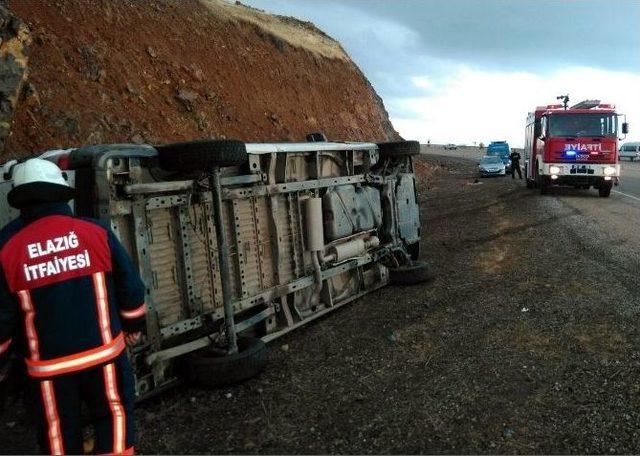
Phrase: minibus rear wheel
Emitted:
{"points": [[201, 155]]}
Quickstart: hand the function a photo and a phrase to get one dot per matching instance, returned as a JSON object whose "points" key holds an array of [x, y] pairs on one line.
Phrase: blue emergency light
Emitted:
{"points": [[570, 153]]}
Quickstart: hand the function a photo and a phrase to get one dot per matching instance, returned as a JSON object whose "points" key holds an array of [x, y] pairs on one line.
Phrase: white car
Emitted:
{"points": [[630, 150], [450, 147], [491, 166]]}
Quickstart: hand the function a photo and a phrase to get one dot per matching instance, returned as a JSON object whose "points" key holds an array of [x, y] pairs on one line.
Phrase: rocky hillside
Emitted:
{"points": [[74, 72]]}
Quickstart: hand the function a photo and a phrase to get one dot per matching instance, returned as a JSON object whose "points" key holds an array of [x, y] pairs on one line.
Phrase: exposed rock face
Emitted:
{"points": [[162, 70], [14, 41]]}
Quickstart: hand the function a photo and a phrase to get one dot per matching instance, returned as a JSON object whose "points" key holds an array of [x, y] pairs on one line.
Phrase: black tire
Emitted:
{"points": [[544, 185], [316, 137], [201, 155], [399, 148], [209, 370], [530, 183], [414, 250], [416, 272], [604, 191]]}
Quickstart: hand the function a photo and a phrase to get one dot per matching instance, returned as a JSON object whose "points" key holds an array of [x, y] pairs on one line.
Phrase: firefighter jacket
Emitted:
{"points": [[68, 290]]}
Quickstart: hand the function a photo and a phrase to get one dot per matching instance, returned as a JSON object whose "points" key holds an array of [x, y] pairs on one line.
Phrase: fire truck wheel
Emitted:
{"points": [[416, 272], [399, 148], [208, 369], [543, 184], [201, 155], [604, 191]]}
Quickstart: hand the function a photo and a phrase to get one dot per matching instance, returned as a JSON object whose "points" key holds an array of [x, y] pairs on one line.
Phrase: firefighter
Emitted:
{"points": [[70, 300], [515, 164]]}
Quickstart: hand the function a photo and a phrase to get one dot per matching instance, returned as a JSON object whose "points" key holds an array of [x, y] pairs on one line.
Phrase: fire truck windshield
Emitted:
{"points": [[583, 125]]}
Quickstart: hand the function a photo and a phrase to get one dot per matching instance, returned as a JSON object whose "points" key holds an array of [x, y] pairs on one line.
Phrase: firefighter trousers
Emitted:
{"points": [[108, 393], [516, 168]]}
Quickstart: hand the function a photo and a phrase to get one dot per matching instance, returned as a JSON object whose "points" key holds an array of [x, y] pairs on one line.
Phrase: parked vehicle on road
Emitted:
{"points": [[450, 147], [576, 146], [491, 166], [500, 149], [240, 243], [630, 151]]}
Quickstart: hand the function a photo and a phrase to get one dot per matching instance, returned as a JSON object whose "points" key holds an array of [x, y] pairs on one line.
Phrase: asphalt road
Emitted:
{"points": [[629, 180]]}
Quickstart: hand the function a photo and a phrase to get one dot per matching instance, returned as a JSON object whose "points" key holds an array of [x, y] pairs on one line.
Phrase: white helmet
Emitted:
{"points": [[38, 181], [37, 170]]}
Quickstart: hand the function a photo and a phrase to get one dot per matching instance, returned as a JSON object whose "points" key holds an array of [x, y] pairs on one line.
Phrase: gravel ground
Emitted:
{"points": [[526, 342]]}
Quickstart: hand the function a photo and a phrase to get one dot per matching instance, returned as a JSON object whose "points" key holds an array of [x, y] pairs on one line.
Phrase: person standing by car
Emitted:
{"points": [[515, 164], [80, 300]]}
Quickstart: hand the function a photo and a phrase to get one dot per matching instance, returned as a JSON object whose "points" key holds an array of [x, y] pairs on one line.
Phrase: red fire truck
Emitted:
{"points": [[576, 146]]}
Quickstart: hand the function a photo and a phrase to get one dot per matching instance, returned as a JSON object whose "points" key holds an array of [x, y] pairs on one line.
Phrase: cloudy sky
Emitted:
{"points": [[469, 70]]}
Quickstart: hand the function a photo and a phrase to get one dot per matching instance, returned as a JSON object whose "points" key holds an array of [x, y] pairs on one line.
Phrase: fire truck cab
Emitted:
{"points": [[576, 146]]}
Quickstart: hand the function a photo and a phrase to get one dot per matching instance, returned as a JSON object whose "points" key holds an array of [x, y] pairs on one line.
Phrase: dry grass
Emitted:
{"points": [[602, 341], [496, 260], [293, 31], [540, 345]]}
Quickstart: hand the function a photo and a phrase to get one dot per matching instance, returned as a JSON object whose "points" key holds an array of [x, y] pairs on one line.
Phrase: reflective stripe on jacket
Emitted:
{"points": [[73, 286]]}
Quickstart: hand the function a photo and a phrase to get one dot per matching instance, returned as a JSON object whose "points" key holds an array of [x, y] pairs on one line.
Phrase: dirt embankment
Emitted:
{"points": [[161, 70]]}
